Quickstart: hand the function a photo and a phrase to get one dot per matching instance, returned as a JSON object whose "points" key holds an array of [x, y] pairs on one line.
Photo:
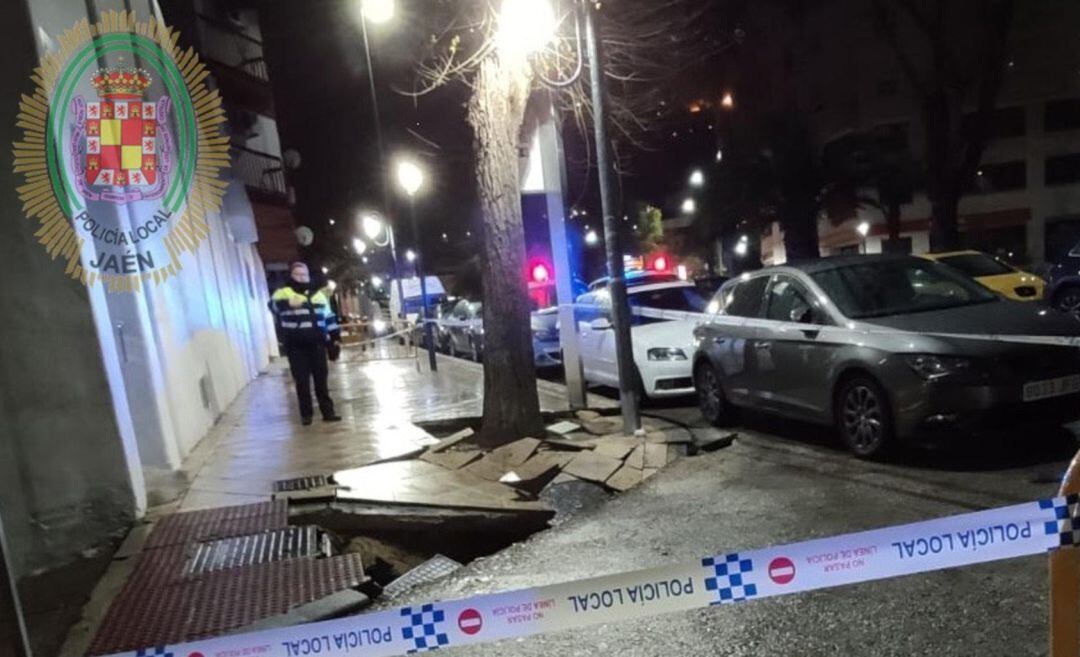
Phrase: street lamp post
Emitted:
{"points": [[620, 308], [373, 227], [411, 179]]}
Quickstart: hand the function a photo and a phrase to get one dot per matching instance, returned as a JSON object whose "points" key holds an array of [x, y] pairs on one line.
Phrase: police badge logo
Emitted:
{"points": [[121, 152]]}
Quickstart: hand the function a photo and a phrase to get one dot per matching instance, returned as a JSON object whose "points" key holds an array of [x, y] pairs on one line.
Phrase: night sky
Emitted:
{"points": [[323, 108]]}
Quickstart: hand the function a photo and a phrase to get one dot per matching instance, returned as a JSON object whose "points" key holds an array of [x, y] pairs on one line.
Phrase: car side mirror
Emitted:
{"points": [[600, 324]]}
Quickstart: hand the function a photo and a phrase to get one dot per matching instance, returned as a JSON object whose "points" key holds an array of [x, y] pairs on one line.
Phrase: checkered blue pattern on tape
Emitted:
{"points": [[157, 651], [729, 578], [425, 628], [1065, 524]]}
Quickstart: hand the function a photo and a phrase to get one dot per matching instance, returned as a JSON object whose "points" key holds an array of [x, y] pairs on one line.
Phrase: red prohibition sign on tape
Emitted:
{"points": [[781, 570], [470, 621]]}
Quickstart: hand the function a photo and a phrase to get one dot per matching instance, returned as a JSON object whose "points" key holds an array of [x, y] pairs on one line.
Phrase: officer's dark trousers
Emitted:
{"points": [[307, 361]]}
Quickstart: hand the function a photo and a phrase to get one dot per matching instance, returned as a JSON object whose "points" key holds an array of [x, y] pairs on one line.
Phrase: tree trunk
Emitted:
{"points": [[496, 113], [800, 230], [892, 221]]}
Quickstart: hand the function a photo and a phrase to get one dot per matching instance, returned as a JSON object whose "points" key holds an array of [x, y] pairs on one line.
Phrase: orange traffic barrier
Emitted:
{"points": [[1065, 584]]}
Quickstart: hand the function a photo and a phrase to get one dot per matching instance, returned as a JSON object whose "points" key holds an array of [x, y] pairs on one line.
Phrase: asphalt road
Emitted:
{"points": [[783, 482]]}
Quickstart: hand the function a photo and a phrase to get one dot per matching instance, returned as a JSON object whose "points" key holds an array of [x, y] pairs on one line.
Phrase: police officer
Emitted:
{"points": [[308, 326]]}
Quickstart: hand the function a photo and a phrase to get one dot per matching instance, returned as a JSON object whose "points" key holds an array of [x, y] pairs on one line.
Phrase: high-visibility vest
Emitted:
{"points": [[312, 321]]}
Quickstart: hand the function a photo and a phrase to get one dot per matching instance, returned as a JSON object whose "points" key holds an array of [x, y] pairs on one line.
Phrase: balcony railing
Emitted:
{"points": [[228, 45], [259, 171]]}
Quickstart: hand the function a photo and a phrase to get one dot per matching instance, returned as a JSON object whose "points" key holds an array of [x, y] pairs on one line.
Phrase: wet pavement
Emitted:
{"points": [[260, 440], [784, 482]]}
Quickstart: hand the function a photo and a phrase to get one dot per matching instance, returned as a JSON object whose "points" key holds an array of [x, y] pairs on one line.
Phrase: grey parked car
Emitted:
{"points": [[869, 344]]}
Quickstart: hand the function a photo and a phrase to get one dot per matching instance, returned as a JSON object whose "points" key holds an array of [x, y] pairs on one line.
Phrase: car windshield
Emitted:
{"points": [[686, 299], [896, 287], [976, 264]]}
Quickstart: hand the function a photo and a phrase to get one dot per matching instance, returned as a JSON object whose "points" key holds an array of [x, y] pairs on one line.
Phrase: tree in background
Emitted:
{"points": [[957, 59], [649, 229], [490, 52]]}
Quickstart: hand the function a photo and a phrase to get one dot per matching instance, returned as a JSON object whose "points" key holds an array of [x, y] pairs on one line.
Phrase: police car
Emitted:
{"points": [[661, 329]]}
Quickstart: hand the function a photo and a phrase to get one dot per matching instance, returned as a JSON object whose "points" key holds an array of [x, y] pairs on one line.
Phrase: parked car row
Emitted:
{"points": [[885, 348]]}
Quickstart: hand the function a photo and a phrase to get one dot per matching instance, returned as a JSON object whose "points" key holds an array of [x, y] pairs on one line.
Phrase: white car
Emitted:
{"points": [[662, 337]]}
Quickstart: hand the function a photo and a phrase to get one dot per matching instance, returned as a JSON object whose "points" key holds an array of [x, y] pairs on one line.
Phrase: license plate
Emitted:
{"points": [[1063, 385]]}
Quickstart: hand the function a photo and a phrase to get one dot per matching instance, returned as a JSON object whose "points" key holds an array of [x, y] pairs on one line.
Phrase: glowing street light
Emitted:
{"points": [[359, 245], [376, 281], [364, 260], [525, 26], [377, 11], [410, 255], [697, 178], [719, 155], [689, 206], [728, 101], [863, 229], [325, 270], [410, 176], [591, 238], [372, 225]]}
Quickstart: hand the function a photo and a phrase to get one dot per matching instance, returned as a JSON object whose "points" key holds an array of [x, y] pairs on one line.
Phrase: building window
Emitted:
{"points": [[1000, 177], [1006, 122], [1063, 169], [1062, 115]]}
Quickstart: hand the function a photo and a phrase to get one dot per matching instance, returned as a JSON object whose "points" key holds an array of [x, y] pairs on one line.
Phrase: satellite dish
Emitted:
{"points": [[305, 236], [292, 159]]}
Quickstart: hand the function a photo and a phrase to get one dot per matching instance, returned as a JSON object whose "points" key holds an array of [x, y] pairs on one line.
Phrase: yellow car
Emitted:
{"points": [[995, 274]]}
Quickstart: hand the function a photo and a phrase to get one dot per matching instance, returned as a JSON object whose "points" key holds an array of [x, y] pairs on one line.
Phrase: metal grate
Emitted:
{"points": [[238, 551], [429, 571], [301, 483]]}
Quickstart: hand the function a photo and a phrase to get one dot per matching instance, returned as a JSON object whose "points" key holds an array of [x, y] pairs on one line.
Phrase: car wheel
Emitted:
{"points": [[864, 418], [710, 393], [1068, 300]]}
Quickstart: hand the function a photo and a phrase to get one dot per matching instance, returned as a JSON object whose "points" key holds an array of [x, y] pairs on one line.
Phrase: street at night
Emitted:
{"points": [[366, 328]]}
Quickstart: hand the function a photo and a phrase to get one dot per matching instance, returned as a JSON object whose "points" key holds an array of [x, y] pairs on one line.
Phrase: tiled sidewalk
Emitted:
{"points": [[260, 439]]}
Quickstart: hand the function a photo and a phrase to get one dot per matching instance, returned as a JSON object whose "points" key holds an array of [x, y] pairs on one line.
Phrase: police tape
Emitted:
{"points": [[706, 318], [961, 540]]}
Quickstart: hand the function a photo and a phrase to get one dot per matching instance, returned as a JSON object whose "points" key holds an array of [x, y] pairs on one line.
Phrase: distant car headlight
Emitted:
{"points": [[379, 326], [713, 307], [931, 367], [666, 353]]}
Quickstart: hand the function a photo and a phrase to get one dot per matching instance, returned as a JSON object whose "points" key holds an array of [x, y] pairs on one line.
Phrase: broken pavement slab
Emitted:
{"points": [[669, 435], [592, 467], [562, 428], [541, 463], [603, 425], [585, 415], [656, 455], [451, 440], [515, 453], [335, 605], [636, 459], [616, 449], [624, 479], [452, 459]]}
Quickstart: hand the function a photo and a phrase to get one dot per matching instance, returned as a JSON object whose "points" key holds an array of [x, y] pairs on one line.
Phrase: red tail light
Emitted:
{"points": [[540, 273], [660, 263]]}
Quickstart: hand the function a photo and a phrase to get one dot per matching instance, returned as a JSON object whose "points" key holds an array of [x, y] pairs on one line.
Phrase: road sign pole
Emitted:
{"points": [[554, 168], [620, 311]]}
